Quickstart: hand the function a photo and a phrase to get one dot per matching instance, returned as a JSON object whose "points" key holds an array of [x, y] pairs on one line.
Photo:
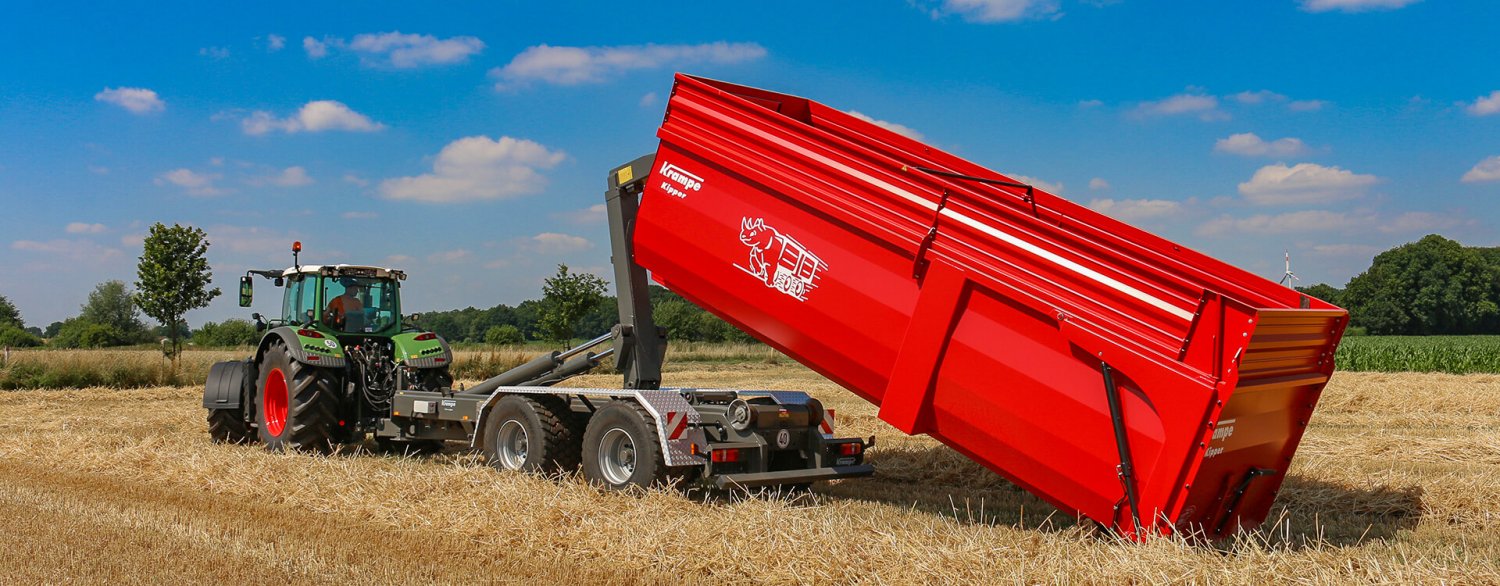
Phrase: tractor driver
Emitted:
{"points": [[344, 304]]}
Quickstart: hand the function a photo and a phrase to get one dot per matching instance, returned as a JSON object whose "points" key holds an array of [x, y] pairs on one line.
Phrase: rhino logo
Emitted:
{"points": [[778, 261]]}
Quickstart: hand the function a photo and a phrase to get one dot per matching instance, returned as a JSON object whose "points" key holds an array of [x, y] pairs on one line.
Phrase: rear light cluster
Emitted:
{"points": [[309, 334], [425, 337], [851, 449], [726, 456]]}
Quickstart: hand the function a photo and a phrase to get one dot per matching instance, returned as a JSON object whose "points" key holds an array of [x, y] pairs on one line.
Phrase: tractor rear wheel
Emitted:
{"points": [[296, 406], [533, 434], [621, 448]]}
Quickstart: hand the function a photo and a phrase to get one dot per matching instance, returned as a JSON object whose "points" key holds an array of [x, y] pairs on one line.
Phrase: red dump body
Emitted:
{"points": [[971, 313]]}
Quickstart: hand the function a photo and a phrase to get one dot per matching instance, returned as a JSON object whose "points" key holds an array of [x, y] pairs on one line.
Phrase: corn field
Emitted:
{"points": [[1450, 354]]}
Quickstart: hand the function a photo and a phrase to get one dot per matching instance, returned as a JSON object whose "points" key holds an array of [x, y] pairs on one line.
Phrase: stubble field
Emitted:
{"points": [[1397, 481]]}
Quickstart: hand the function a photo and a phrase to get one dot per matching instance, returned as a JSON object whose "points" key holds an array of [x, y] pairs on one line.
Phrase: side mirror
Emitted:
{"points": [[413, 317], [280, 281], [260, 325], [247, 291]]}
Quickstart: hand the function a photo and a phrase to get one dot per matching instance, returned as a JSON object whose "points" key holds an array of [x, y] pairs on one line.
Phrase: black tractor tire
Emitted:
{"points": [[228, 426], [622, 449], [296, 405], [533, 434], [400, 447]]}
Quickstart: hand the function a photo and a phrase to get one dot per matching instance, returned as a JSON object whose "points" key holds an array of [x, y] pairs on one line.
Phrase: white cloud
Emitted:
{"points": [[1258, 97], [316, 116], [214, 52], [1486, 170], [1205, 107], [449, 256], [1306, 105], [356, 180], [359, 215], [1086, 104], [593, 214], [1134, 210], [406, 51], [137, 100], [275, 42], [1420, 222], [315, 49], [289, 177], [1304, 183], [1354, 5], [648, 100], [250, 240], [98, 169], [1098, 184], [1485, 105], [1249, 145], [196, 184], [1345, 250], [78, 251], [580, 65], [85, 228], [1291, 222], [1047, 186], [900, 129], [478, 168], [998, 10], [555, 243]]}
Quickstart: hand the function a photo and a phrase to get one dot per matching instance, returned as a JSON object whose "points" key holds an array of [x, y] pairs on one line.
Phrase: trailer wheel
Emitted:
{"points": [[532, 434], [621, 448], [296, 407], [227, 426]]}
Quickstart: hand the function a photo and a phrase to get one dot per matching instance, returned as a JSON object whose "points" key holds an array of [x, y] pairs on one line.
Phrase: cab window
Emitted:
{"points": [[359, 304]]}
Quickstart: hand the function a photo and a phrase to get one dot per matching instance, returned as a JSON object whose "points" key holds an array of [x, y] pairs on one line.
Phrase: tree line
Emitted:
{"points": [[1429, 287]]}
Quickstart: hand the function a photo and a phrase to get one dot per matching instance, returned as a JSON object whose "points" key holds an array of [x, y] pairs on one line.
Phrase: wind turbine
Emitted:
{"points": [[1289, 276]]}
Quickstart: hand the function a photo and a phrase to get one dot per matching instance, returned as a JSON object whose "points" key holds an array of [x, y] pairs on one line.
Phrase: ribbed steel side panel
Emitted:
{"points": [[982, 317]]}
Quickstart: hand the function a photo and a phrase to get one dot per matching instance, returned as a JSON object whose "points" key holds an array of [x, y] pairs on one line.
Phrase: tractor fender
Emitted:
{"points": [[430, 353], [227, 384], [327, 351]]}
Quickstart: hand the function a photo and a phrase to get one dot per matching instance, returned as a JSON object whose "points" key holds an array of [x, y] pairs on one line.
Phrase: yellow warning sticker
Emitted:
{"points": [[624, 175]]}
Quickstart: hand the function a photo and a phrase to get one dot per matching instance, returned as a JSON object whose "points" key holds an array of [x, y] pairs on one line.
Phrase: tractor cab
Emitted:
{"points": [[343, 299]]}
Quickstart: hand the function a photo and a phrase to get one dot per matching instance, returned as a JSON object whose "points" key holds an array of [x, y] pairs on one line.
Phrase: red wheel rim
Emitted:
{"points": [[274, 402]]}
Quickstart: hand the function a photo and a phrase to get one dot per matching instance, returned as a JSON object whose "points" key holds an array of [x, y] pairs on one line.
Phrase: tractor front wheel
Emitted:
{"points": [[296, 407]]}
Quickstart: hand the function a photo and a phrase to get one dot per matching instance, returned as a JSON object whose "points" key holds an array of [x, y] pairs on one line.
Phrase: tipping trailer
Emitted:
{"points": [[1118, 376]]}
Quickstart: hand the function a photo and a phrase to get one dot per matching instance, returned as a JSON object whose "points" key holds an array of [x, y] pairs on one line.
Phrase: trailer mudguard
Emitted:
{"points": [[227, 382], [422, 350], [323, 351]]}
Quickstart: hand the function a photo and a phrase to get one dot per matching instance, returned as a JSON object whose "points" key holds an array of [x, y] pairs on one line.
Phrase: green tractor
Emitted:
{"points": [[326, 371]]}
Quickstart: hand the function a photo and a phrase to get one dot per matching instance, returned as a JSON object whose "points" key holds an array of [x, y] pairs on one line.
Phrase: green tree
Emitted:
{"points": [[1325, 292], [81, 333], [232, 332], [1432, 286], [503, 335], [9, 314], [52, 329], [566, 299], [14, 337], [112, 305], [173, 277]]}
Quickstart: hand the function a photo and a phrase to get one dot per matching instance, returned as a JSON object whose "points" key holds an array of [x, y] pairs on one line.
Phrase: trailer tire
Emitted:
{"points": [[227, 426], [621, 448], [533, 434], [296, 406]]}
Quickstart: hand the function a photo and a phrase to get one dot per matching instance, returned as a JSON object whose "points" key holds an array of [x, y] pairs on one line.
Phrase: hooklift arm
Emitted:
{"points": [[640, 346]]}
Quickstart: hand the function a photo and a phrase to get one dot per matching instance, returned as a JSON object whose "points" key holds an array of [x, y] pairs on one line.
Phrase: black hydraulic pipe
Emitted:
{"points": [[579, 349], [1125, 471], [578, 365], [538, 366]]}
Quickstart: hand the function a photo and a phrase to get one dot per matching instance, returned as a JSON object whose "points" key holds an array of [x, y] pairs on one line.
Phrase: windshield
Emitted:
{"points": [[359, 304]]}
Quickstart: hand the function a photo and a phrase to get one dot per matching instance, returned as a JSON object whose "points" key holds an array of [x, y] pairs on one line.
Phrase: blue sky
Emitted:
{"points": [[467, 142]]}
